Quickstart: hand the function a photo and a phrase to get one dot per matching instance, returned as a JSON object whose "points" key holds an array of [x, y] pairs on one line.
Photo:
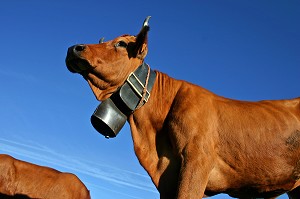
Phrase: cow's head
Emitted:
{"points": [[107, 65]]}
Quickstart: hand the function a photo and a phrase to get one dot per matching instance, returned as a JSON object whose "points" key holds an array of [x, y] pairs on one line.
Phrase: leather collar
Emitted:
{"points": [[135, 92]]}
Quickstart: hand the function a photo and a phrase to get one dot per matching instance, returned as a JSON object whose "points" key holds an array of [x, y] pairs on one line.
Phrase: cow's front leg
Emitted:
{"points": [[196, 165]]}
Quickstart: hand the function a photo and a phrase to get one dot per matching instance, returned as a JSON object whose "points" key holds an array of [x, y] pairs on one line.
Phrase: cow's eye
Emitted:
{"points": [[121, 44]]}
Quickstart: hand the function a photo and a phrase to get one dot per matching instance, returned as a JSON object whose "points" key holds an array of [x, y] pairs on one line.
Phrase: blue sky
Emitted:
{"points": [[247, 50]]}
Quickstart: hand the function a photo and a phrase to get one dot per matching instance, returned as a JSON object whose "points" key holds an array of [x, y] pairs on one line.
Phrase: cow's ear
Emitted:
{"points": [[141, 43]]}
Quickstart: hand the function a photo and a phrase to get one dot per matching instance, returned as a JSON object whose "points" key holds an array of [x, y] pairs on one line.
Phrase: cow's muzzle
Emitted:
{"points": [[74, 60]]}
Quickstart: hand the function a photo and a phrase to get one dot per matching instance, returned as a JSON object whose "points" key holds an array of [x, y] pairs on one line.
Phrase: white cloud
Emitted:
{"points": [[112, 191], [98, 171], [17, 75]]}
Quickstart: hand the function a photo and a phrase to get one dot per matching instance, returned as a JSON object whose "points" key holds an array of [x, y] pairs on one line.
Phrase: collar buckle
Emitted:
{"points": [[138, 86]]}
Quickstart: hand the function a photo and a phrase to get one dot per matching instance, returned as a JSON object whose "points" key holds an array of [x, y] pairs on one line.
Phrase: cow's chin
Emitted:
{"points": [[101, 90]]}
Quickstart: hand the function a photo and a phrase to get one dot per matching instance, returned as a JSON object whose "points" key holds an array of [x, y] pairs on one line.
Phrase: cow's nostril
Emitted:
{"points": [[79, 48]]}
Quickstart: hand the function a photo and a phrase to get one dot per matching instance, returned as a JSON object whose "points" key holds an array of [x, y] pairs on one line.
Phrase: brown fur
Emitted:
{"points": [[193, 142], [19, 179]]}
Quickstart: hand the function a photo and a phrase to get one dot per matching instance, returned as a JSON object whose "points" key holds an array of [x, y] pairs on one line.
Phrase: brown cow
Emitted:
{"points": [[191, 141], [19, 179]]}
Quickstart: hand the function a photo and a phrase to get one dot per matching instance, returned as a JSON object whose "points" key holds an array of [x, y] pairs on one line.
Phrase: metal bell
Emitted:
{"points": [[108, 119]]}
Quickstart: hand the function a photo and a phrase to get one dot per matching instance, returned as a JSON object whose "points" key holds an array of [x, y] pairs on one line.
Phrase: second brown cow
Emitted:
{"points": [[19, 179]]}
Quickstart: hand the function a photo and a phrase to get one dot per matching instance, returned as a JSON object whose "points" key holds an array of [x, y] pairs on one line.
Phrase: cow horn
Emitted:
{"points": [[146, 22], [101, 40]]}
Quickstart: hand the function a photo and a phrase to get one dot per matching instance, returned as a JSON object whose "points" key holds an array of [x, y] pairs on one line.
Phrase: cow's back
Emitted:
{"points": [[7, 174], [22, 178], [70, 187]]}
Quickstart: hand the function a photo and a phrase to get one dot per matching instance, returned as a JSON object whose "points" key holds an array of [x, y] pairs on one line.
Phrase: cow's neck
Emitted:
{"points": [[135, 92], [151, 143], [137, 89]]}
